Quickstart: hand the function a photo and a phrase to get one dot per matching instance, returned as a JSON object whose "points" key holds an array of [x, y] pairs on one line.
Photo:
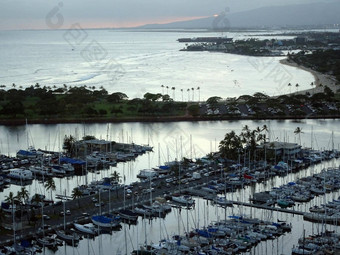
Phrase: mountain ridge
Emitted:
{"points": [[270, 16]]}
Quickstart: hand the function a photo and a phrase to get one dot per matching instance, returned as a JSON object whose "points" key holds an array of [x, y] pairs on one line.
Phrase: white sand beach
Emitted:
{"points": [[321, 79]]}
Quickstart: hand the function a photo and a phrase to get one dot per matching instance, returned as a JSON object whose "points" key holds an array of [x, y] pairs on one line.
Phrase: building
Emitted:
{"points": [[282, 148], [95, 145]]}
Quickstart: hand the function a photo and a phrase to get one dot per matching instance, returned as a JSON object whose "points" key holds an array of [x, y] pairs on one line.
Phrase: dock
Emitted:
{"points": [[265, 206]]}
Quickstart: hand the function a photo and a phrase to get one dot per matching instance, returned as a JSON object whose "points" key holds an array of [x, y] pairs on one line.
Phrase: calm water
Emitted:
{"points": [[170, 141], [139, 62]]}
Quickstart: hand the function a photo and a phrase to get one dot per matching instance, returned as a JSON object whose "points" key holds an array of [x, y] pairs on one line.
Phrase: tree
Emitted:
{"points": [[199, 94], [167, 90], [152, 97], [230, 146], [117, 179], [13, 108], [23, 194], [193, 94], [297, 87], [117, 97], [166, 98], [329, 93], [213, 100], [69, 143], [50, 185], [162, 88], [260, 96], [290, 88], [76, 193], [11, 199], [194, 110], [266, 130], [173, 92], [182, 94], [188, 90], [298, 131]]}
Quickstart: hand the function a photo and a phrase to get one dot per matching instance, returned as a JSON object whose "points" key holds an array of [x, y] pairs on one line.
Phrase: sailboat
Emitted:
{"points": [[183, 199], [106, 221], [86, 228], [45, 241]]}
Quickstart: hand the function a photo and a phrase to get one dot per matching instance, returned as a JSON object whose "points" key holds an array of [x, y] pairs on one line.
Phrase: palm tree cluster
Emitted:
{"points": [[233, 145], [189, 98]]}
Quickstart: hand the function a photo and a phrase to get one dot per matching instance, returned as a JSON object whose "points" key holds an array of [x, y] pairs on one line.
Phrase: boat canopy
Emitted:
{"points": [[72, 161]]}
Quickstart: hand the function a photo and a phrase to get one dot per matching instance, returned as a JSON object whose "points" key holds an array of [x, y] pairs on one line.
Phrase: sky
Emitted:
{"points": [[48, 14]]}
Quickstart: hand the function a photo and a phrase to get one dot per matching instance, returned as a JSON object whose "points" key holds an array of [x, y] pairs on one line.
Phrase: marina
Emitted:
{"points": [[237, 196]]}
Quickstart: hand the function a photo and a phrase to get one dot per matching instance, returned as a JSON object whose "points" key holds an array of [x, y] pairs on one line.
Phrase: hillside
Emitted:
{"points": [[274, 16]]}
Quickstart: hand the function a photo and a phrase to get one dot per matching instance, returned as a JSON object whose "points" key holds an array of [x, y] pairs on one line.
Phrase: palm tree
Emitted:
{"points": [[199, 94], [162, 89], [50, 185], [297, 87], [290, 88], [22, 197], [10, 198], [193, 94], [188, 90], [173, 92], [13, 85], [36, 199], [312, 84], [23, 194], [266, 130], [182, 94], [76, 193], [116, 178], [167, 90], [298, 131]]}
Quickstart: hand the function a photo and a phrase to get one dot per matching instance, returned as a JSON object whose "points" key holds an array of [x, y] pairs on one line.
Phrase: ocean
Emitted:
{"points": [[136, 62]]}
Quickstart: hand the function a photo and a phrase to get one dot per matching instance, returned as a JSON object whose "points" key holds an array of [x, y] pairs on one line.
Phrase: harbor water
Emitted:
{"points": [[171, 141]]}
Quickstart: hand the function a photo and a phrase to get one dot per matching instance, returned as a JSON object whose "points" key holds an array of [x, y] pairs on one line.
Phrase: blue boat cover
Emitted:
{"points": [[164, 167], [72, 161]]}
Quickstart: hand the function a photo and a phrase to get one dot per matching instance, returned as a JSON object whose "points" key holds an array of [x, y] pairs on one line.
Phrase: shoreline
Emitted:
{"points": [[319, 79]]}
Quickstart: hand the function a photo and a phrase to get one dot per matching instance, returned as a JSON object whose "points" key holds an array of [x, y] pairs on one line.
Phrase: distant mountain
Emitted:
{"points": [[273, 16]]}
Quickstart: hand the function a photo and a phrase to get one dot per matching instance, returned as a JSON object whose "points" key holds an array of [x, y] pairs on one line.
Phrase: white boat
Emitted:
{"points": [[147, 173], [298, 251], [31, 152], [41, 170], [184, 199], [222, 201], [56, 169], [68, 237], [141, 210], [20, 174], [47, 241], [86, 228]]}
